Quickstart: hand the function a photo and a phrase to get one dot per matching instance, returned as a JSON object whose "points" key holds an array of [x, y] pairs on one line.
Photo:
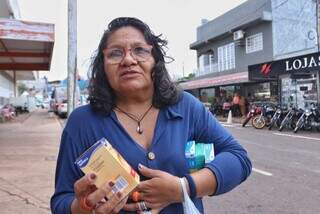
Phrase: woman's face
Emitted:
{"points": [[128, 61]]}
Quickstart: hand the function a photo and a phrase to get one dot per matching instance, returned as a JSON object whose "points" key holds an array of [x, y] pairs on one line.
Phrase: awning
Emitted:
{"points": [[25, 46], [216, 81]]}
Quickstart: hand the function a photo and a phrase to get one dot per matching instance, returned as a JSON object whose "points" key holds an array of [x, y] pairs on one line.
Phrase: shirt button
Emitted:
{"points": [[151, 156]]}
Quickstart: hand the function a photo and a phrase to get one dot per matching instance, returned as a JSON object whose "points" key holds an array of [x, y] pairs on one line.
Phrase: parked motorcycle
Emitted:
{"points": [[291, 119], [7, 112], [254, 110], [264, 118], [277, 117], [308, 120]]}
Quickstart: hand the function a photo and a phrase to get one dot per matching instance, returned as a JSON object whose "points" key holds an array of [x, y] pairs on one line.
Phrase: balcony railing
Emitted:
{"points": [[211, 68]]}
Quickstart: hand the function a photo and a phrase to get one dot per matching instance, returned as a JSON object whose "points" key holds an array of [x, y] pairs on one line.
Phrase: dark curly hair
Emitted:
{"points": [[102, 97]]}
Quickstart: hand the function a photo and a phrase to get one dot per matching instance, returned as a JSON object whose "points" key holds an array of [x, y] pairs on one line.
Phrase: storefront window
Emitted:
{"points": [[259, 92], [227, 92], [299, 91], [207, 94]]}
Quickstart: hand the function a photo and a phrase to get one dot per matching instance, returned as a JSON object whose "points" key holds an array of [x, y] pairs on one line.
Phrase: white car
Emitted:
{"points": [[62, 109]]}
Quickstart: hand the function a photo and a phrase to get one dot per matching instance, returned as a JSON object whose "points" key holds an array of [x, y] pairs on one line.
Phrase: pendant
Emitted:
{"points": [[139, 129]]}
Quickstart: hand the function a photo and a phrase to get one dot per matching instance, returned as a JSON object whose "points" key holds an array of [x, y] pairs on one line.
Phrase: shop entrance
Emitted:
{"points": [[299, 90]]}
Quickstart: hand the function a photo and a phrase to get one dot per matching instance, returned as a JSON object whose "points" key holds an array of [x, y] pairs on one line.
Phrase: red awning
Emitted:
{"points": [[216, 81], [25, 46]]}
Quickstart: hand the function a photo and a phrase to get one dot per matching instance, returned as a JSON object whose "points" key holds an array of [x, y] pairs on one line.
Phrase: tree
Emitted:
{"points": [[191, 75], [21, 88]]}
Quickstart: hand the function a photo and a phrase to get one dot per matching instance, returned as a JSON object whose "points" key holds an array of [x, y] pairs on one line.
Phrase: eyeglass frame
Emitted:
{"points": [[132, 54]]}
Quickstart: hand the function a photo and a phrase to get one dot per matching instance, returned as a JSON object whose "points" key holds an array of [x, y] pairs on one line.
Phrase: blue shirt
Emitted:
{"points": [[175, 126]]}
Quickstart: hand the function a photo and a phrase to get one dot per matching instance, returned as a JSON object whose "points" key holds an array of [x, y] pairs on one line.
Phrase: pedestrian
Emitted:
{"points": [[148, 120], [242, 106], [235, 104]]}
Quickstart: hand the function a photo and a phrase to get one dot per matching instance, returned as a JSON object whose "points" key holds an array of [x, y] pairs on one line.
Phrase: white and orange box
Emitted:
{"points": [[108, 165]]}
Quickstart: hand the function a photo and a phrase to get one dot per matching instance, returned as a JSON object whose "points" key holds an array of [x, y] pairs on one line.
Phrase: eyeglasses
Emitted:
{"points": [[140, 53]]}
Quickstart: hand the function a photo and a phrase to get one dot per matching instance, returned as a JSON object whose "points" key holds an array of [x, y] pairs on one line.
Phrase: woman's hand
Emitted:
{"points": [[158, 192], [89, 198]]}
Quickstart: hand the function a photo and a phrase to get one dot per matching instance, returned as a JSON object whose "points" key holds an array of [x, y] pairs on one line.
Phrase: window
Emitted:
{"points": [[226, 57], [254, 43], [206, 64]]}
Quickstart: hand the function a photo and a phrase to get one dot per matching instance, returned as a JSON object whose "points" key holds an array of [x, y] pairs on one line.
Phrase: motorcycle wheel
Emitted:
{"points": [[308, 125], [298, 125], [294, 121], [283, 124], [296, 129], [271, 124], [258, 122], [246, 121]]}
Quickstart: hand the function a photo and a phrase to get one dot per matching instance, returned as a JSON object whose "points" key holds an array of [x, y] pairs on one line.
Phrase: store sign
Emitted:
{"points": [[295, 65], [306, 62]]}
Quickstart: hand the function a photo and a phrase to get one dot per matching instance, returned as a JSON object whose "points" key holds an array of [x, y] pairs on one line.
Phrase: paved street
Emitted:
{"points": [[28, 151], [285, 178]]}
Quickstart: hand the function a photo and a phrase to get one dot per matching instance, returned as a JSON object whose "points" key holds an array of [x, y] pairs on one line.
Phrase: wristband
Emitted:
{"points": [[192, 186]]}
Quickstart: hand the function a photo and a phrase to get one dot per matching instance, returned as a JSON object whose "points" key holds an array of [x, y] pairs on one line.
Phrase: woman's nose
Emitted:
{"points": [[128, 59]]}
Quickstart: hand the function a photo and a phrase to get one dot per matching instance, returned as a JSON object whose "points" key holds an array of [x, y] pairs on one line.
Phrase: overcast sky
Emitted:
{"points": [[177, 20]]}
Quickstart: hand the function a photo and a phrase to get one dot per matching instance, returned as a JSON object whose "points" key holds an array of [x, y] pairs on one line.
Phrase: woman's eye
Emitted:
{"points": [[140, 50], [115, 53]]}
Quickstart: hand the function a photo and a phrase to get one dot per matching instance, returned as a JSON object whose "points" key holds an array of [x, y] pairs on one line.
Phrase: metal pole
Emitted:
{"points": [[72, 53], [15, 83], [183, 70], [318, 23], [318, 41]]}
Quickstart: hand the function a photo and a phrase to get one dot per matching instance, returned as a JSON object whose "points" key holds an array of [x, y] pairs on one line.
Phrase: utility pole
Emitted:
{"points": [[318, 22], [318, 41], [183, 69], [72, 53]]}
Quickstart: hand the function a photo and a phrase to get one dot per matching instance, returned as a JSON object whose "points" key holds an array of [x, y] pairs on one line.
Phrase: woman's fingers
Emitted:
{"points": [[108, 206], [84, 184], [99, 194], [131, 207], [120, 205]]}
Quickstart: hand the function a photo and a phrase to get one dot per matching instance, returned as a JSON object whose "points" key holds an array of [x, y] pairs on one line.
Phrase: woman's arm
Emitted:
{"points": [[231, 165]]}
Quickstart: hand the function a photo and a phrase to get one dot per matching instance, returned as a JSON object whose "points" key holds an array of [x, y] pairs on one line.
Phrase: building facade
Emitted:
{"points": [[255, 32], [6, 77], [25, 47]]}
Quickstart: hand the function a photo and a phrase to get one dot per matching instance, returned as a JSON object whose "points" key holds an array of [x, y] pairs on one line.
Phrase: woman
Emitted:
{"points": [[135, 106]]}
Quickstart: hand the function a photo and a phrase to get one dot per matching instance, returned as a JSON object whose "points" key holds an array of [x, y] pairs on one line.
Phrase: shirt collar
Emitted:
{"points": [[173, 113]]}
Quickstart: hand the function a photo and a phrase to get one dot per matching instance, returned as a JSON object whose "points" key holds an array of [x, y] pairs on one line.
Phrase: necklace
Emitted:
{"points": [[135, 118]]}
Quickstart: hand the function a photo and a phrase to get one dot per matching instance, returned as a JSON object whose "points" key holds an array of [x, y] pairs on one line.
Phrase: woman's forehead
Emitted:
{"points": [[126, 35]]}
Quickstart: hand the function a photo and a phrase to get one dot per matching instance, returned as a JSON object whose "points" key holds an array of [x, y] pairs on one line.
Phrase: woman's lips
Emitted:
{"points": [[129, 73]]}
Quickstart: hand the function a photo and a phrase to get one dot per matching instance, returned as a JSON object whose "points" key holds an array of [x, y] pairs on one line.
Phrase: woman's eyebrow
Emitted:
{"points": [[134, 44]]}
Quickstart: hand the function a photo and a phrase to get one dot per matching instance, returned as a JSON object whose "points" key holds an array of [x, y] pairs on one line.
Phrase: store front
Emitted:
{"points": [[298, 79], [25, 47], [208, 88]]}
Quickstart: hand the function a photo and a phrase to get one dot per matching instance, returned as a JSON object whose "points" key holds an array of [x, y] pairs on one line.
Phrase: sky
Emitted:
{"points": [[176, 20]]}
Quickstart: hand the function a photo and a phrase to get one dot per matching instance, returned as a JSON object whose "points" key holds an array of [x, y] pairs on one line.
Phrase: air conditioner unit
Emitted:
{"points": [[239, 34]]}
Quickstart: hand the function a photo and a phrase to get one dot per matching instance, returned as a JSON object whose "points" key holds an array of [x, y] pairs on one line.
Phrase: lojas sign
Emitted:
{"points": [[271, 70]]}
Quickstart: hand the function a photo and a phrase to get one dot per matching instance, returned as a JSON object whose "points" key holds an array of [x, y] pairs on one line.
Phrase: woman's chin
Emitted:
{"points": [[132, 87]]}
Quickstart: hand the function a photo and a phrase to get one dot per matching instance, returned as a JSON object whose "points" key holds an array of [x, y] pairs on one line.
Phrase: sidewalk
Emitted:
{"points": [[28, 150], [234, 119]]}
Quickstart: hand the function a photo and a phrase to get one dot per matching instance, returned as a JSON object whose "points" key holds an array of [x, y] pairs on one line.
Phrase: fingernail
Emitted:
{"points": [[119, 194], [140, 166], [111, 184], [93, 176]]}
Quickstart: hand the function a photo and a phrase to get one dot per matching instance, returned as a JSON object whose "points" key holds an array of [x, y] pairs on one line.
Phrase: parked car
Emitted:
{"points": [[59, 104], [62, 109], [45, 104]]}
